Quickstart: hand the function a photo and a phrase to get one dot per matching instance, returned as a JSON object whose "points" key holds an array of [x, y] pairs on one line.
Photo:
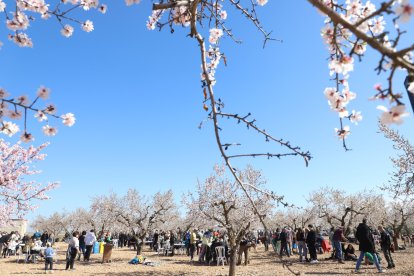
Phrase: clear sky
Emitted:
{"points": [[137, 99]]}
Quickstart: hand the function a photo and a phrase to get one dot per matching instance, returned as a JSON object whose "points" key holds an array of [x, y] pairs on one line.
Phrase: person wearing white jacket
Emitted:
{"points": [[90, 239]]}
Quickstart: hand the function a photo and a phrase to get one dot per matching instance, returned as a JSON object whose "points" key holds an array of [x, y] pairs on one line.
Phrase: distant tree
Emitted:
{"points": [[140, 215], [17, 193], [223, 202], [54, 224], [293, 217], [100, 215], [338, 208], [399, 212]]}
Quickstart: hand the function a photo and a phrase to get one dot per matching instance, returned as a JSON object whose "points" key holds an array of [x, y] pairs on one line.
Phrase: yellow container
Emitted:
{"points": [[101, 247]]}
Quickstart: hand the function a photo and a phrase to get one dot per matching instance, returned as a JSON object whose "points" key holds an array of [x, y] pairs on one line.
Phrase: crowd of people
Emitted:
{"points": [[308, 242], [200, 245]]}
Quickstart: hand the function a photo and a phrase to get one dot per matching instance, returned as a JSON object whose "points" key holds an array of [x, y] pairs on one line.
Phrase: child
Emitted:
{"points": [[49, 257]]}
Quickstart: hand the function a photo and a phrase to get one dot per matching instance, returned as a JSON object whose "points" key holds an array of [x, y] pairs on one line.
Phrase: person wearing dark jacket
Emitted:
{"points": [[385, 243], [366, 244], [310, 241], [337, 238], [300, 240], [283, 243], [82, 246], [172, 242], [44, 238]]}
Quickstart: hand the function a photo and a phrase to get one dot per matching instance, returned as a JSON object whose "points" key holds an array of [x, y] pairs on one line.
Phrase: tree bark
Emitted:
{"points": [[139, 248], [395, 240], [233, 261]]}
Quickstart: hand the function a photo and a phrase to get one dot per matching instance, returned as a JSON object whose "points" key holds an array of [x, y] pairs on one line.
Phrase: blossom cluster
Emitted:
{"points": [[213, 55], [16, 108], [24, 11], [153, 19], [343, 46], [16, 192]]}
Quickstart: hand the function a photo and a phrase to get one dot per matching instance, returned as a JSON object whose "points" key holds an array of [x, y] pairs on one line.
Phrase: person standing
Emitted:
{"points": [[283, 237], [366, 244], [154, 243], [72, 252], [90, 239], [172, 242], [303, 250], [82, 245], [311, 241], [337, 239], [49, 257], [44, 238], [385, 243], [193, 243]]}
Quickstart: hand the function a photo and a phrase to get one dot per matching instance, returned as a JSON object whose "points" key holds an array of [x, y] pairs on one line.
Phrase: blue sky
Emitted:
{"points": [[137, 99]]}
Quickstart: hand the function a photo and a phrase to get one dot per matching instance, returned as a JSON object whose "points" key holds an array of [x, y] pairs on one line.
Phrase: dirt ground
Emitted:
{"points": [[262, 263]]}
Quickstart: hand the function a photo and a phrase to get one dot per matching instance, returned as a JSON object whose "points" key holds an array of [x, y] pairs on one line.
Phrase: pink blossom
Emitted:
{"points": [[103, 8], [68, 119], [67, 30], [405, 10], [26, 137], [131, 2], [24, 100], [14, 114], [378, 25], [3, 93], [41, 116], [394, 115], [215, 35], [21, 39], [355, 117], [262, 2], [43, 92], [342, 133], [87, 26], [9, 128], [49, 131], [87, 4], [378, 87], [223, 15], [2, 6], [50, 109]]}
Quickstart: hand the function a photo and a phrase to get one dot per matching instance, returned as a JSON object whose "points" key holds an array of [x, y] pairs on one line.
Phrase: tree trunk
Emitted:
{"points": [[396, 235], [139, 248], [233, 261], [395, 240]]}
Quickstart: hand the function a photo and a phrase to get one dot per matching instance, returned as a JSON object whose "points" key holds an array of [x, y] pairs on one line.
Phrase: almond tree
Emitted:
{"points": [[101, 216], [140, 215], [402, 177], [18, 194], [54, 224], [294, 217], [399, 211], [222, 201], [80, 220], [338, 208]]}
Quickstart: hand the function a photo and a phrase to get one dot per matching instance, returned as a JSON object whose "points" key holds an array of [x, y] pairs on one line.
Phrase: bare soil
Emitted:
{"points": [[261, 263]]}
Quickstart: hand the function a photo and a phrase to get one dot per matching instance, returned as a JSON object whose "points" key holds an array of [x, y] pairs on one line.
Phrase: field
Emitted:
{"points": [[262, 263]]}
